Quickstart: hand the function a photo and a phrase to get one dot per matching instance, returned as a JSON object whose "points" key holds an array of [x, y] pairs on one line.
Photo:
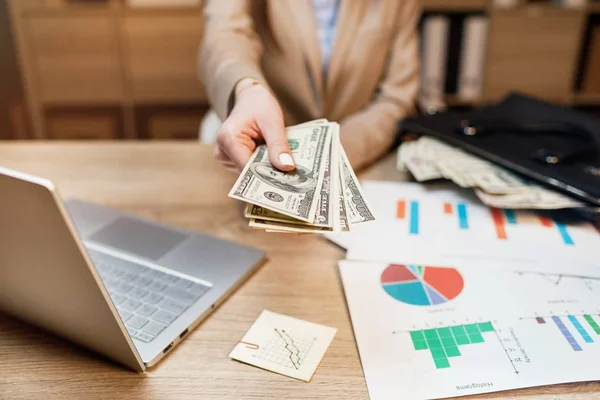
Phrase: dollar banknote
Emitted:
{"points": [[538, 198], [324, 216], [284, 227], [296, 193], [428, 158], [342, 223], [357, 209], [280, 202]]}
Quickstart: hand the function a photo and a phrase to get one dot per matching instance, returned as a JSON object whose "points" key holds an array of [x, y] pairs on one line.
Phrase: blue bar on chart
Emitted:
{"points": [[586, 337], [414, 217], [563, 329], [511, 218], [463, 222], [564, 233]]}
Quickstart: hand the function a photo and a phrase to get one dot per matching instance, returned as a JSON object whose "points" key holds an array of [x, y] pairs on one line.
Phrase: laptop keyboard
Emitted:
{"points": [[148, 300]]}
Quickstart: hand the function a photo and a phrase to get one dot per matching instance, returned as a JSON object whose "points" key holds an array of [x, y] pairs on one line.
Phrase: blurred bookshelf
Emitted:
{"points": [[127, 69], [454, 5]]}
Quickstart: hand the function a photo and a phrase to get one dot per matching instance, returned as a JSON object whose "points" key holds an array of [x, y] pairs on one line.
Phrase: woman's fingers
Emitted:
{"points": [[233, 150], [280, 155]]}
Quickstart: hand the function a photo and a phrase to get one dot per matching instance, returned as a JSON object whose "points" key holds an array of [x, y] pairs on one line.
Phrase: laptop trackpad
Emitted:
{"points": [[139, 238]]}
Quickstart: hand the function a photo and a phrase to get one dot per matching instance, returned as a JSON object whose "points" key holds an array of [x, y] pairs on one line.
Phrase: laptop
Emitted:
{"points": [[125, 287]]}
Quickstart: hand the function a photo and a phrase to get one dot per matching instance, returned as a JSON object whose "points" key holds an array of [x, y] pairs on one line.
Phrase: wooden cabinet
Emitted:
{"points": [[75, 57], [170, 122], [533, 50], [90, 55], [162, 55], [84, 124]]}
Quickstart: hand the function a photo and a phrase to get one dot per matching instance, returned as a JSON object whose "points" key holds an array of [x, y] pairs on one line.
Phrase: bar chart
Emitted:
{"points": [[413, 216], [570, 324], [414, 208], [443, 343], [502, 218], [460, 211], [422, 217]]}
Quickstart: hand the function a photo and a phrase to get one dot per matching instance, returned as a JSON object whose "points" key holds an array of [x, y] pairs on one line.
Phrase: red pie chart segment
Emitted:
{"points": [[397, 273], [446, 281]]}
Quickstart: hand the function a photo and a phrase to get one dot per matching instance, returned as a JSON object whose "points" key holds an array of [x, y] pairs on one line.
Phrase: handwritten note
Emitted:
{"points": [[284, 345]]}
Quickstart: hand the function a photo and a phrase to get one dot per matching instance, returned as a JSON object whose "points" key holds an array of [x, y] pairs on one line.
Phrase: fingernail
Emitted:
{"points": [[286, 159]]}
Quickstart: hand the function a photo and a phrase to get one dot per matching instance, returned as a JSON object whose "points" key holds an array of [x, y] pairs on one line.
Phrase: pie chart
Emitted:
{"points": [[421, 285]]}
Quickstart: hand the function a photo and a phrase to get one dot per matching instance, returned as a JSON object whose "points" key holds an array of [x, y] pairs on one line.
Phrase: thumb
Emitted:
{"points": [[278, 146]]}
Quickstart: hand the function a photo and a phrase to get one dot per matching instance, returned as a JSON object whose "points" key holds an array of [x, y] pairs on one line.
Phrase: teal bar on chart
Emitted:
{"points": [[586, 337], [511, 218], [463, 221], [564, 233], [414, 218]]}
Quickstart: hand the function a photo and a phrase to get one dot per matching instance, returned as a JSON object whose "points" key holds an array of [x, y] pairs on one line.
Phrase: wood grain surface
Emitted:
{"points": [[181, 184]]}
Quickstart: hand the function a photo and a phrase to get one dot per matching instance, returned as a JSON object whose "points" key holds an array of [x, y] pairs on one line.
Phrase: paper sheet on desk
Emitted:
{"points": [[441, 190], [427, 332], [284, 345], [448, 226]]}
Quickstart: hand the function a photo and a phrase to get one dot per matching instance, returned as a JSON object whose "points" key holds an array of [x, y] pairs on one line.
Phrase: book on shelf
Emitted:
{"points": [[435, 35], [505, 3], [591, 78], [472, 57], [162, 3], [570, 3]]}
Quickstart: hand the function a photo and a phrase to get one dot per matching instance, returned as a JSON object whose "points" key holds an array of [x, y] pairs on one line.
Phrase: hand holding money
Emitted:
{"points": [[256, 117], [322, 194]]}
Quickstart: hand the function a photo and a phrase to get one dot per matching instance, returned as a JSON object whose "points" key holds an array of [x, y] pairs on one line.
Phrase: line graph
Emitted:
{"points": [[556, 280], [285, 349], [291, 347]]}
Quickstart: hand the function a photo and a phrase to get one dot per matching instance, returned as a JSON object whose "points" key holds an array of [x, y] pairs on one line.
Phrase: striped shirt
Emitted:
{"points": [[326, 12]]}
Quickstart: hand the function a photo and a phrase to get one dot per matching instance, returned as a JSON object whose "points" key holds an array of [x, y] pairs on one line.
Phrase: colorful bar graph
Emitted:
{"points": [[592, 323], [498, 218], [463, 222], [586, 337], [401, 209], [414, 218], [447, 208], [511, 218], [563, 329], [444, 343], [564, 233]]}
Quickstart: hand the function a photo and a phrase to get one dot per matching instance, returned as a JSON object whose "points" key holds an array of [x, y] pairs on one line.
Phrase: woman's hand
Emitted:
{"points": [[256, 118]]}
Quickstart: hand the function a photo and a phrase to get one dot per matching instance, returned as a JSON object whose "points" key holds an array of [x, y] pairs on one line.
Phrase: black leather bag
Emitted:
{"points": [[554, 145]]}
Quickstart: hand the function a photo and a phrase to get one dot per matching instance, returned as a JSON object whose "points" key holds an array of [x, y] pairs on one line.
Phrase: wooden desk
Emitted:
{"points": [[182, 185]]}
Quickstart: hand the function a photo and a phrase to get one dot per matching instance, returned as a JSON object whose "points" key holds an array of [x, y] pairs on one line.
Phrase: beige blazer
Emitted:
{"points": [[371, 81]]}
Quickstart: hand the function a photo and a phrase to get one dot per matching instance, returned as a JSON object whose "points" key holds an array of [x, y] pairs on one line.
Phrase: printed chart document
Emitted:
{"points": [[284, 345], [451, 226], [431, 331]]}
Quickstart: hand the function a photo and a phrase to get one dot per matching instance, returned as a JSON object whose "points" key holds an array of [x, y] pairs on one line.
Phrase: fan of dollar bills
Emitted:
{"points": [[429, 159], [321, 195]]}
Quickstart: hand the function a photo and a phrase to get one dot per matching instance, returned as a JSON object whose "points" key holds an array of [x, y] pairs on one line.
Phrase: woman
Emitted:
{"points": [[271, 63]]}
